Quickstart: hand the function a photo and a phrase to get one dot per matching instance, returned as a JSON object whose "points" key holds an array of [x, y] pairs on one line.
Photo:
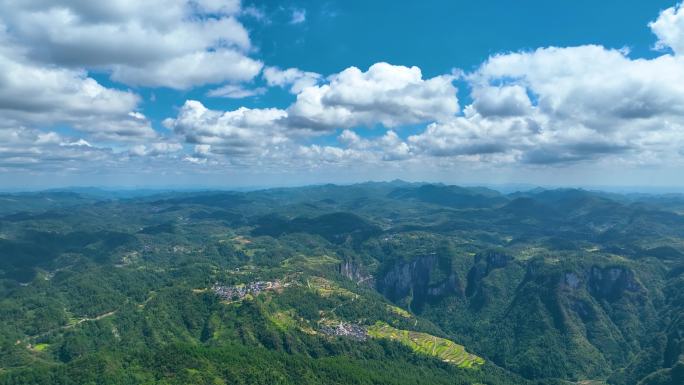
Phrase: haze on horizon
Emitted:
{"points": [[226, 94]]}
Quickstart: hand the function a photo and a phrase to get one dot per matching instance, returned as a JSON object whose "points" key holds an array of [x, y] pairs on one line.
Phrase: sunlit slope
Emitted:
{"points": [[424, 343]]}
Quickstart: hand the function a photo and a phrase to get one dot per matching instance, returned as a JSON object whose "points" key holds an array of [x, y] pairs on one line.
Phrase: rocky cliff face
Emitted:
{"points": [[485, 263], [611, 283], [590, 314], [419, 281], [356, 272], [594, 312], [603, 283]]}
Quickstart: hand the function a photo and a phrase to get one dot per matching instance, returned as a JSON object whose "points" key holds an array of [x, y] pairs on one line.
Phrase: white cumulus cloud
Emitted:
{"points": [[35, 95], [155, 149], [294, 78], [160, 43], [242, 132], [386, 94], [669, 28], [562, 105]]}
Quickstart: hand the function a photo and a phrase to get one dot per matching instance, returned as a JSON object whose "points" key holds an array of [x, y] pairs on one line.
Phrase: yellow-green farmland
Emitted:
{"points": [[424, 343]]}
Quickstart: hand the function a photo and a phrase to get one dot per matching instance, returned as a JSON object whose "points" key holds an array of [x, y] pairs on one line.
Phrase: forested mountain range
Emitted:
{"points": [[374, 283]]}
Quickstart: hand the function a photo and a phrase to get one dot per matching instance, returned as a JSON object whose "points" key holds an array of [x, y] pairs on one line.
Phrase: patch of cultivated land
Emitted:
{"points": [[326, 288], [424, 343]]}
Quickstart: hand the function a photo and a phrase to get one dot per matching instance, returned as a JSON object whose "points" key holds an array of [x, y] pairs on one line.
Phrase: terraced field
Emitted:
{"points": [[399, 311], [326, 288], [424, 343]]}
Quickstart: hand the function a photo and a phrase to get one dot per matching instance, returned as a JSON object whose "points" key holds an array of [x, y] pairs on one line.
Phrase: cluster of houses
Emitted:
{"points": [[238, 292], [346, 329]]}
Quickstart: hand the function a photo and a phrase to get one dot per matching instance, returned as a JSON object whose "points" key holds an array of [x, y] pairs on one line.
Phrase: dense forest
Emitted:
{"points": [[375, 283]]}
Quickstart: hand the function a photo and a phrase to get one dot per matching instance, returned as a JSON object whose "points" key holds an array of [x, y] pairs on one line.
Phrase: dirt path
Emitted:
{"points": [[69, 326]]}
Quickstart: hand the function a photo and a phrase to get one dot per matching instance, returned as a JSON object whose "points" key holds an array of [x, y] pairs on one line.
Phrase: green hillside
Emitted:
{"points": [[375, 283]]}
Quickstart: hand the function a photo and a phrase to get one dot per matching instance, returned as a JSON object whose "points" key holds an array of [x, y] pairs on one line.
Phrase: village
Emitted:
{"points": [[346, 329], [239, 292]]}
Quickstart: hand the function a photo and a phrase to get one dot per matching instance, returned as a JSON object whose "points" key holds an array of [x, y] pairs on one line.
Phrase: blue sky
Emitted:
{"points": [[228, 93], [435, 35]]}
